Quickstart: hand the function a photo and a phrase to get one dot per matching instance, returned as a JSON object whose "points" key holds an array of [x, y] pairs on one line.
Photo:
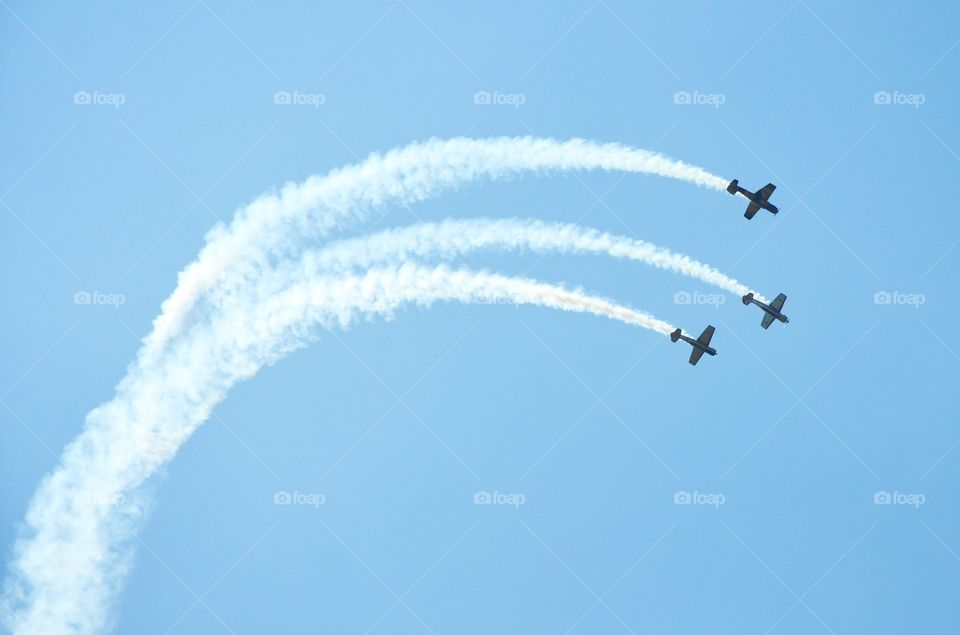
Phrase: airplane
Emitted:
{"points": [[758, 199], [771, 311], [700, 345]]}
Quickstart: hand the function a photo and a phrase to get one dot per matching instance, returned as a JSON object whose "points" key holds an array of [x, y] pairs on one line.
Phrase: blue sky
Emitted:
{"points": [[595, 426]]}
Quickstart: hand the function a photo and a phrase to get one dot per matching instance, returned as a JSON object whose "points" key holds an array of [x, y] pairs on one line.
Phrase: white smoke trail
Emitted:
{"points": [[380, 290], [455, 237], [80, 524], [274, 224], [71, 560]]}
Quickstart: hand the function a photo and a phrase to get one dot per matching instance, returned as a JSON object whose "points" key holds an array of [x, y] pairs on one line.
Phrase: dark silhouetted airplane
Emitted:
{"points": [[771, 311], [700, 345], [758, 199]]}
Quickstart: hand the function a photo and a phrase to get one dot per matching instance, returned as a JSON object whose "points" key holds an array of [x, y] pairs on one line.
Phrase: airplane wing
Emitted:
{"points": [[695, 356], [767, 320], [752, 209], [778, 302], [706, 336], [767, 190]]}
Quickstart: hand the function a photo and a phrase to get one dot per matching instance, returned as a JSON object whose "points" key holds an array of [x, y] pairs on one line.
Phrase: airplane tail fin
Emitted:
{"points": [[747, 299], [732, 188], [675, 335]]}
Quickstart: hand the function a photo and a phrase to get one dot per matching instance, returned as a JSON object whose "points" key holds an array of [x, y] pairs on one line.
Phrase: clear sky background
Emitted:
{"points": [[595, 424]]}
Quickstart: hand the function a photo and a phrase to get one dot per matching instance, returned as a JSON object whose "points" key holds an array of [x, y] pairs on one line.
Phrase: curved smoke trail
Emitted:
{"points": [[85, 514], [276, 223], [451, 238], [72, 557]]}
